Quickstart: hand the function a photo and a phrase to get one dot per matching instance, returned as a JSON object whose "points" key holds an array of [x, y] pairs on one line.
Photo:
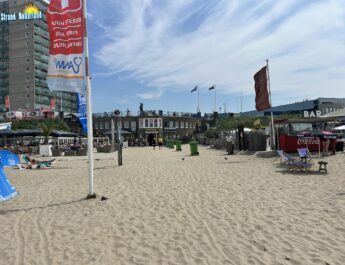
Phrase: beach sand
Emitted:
{"points": [[162, 209]]}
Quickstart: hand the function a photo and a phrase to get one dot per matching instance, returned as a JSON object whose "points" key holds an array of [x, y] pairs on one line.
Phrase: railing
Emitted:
{"points": [[150, 113]]}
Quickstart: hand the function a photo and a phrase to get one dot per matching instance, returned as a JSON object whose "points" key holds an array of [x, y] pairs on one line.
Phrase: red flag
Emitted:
{"points": [[52, 103], [66, 54], [262, 101], [7, 103]]}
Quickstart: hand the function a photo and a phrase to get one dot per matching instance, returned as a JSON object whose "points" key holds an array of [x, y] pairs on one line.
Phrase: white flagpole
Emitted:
{"points": [[91, 194], [272, 120], [215, 99], [198, 110]]}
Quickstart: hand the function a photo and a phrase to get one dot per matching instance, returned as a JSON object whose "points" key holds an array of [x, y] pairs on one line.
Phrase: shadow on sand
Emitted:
{"points": [[3, 212]]}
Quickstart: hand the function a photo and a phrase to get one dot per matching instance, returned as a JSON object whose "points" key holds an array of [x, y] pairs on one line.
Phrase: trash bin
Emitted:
{"points": [[178, 145], [193, 148], [170, 144]]}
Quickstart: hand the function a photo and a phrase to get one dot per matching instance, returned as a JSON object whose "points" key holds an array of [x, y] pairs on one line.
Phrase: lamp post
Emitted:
{"points": [[119, 144]]}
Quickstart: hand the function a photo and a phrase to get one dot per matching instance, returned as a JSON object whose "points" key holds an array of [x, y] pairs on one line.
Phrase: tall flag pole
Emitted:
{"points": [[89, 106], [263, 95], [198, 109], [196, 88], [269, 92], [215, 96], [68, 65]]}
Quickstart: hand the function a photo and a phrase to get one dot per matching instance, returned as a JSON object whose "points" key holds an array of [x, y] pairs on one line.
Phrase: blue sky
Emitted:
{"points": [[156, 51]]}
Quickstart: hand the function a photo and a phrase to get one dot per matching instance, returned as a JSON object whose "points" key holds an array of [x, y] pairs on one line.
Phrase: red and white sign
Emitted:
{"points": [[7, 102], [52, 103], [66, 60]]}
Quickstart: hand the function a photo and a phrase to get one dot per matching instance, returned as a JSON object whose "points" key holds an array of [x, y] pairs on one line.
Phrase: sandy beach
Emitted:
{"points": [[163, 209]]}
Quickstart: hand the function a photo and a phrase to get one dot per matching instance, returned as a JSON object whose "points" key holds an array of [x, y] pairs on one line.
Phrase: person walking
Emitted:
{"points": [[160, 142]]}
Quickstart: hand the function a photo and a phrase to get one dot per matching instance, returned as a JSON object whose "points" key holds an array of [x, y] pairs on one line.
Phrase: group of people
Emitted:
{"points": [[160, 142]]}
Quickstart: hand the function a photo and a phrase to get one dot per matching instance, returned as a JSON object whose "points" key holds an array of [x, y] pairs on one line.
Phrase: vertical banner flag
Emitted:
{"points": [[212, 87], [194, 89], [7, 103], [262, 101], [52, 103], [66, 53], [82, 112]]}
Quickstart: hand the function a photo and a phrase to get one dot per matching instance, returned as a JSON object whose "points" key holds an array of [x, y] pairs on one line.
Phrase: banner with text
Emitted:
{"points": [[82, 112], [66, 53]]}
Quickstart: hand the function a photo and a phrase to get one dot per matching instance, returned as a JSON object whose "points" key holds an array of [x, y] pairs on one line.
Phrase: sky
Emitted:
{"points": [[156, 51]]}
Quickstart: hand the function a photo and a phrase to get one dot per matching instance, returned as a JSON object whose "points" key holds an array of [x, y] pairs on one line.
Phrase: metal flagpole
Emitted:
{"points": [[272, 120], [89, 107], [215, 99], [241, 100], [198, 110]]}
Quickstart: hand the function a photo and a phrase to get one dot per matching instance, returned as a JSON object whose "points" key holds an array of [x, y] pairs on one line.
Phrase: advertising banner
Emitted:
{"points": [[52, 103], [7, 103], [82, 112], [66, 53]]}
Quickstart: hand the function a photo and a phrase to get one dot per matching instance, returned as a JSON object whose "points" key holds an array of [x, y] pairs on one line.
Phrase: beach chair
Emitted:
{"points": [[292, 163], [35, 164], [304, 154]]}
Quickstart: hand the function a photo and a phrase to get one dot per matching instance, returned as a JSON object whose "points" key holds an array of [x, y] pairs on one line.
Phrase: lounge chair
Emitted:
{"points": [[304, 154], [33, 163], [293, 163]]}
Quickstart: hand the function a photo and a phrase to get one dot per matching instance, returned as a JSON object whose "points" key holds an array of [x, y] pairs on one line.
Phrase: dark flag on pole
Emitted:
{"points": [[262, 101], [194, 89], [212, 87]]}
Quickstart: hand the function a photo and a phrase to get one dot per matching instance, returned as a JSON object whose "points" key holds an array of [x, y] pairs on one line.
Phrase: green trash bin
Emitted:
{"points": [[193, 148], [171, 144], [178, 145]]}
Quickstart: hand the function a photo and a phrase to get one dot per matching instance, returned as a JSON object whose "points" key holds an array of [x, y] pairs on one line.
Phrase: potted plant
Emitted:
{"points": [[45, 148]]}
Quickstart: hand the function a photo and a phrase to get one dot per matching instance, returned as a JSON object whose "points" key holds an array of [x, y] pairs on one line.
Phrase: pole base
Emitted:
{"points": [[91, 196]]}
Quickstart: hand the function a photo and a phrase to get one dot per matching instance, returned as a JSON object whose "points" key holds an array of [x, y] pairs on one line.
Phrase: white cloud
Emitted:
{"points": [[151, 95], [180, 43]]}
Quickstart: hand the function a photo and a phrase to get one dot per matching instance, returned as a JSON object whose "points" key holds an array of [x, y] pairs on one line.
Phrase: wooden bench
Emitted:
{"points": [[322, 166]]}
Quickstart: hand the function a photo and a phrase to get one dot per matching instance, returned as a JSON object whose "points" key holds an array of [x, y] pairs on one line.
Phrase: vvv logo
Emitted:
{"points": [[73, 65]]}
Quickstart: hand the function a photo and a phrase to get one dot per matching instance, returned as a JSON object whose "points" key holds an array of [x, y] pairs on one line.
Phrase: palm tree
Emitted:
{"points": [[46, 131]]}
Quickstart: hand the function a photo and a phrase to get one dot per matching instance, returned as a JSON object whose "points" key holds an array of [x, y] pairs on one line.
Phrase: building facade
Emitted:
{"points": [[24, 51], [143, 128], [319, 106]]}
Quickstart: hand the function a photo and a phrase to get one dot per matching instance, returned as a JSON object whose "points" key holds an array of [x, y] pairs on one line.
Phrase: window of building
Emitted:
{"points": [[177, 124], [27, 96], [106, 125], [182, 124], [27, 34], [27, 52], [156, 123], [27, 78], [27, 43], [27, 69], [27, 87], [27, 25], [133, 126], [96, 125], [166, 124], [27, 60], [171, 124], [126, 124], [146, 123], [187, 125], [101, 125]]}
